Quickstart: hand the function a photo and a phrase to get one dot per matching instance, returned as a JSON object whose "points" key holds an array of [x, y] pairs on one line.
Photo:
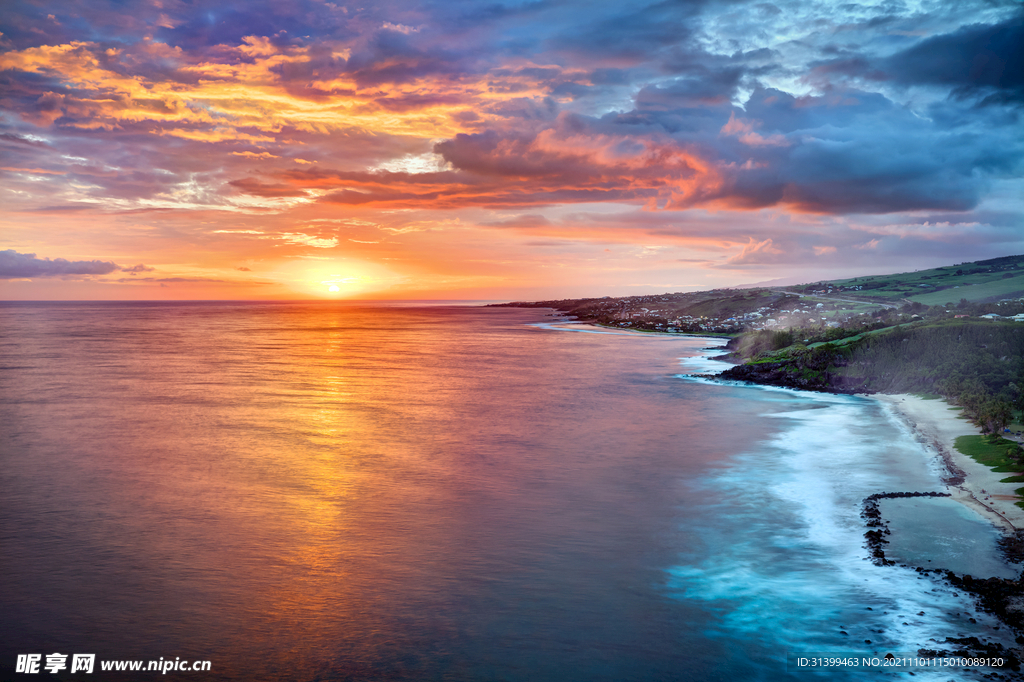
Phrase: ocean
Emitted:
{"points": [[324, 491]]}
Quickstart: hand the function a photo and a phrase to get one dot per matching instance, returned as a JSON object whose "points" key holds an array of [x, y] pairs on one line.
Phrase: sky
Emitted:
{"points": [[499, 150]]}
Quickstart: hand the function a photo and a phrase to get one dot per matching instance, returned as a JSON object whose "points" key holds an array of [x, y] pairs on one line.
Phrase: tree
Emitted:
{"points": [[994, 415]]}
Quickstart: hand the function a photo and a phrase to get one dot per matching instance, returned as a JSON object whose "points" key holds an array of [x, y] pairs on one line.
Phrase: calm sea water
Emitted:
{"points": [[324, 492]]}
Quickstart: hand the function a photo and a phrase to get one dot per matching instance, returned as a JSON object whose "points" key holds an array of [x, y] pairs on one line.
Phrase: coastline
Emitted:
{"points": [[936, 424], [969, 482]]}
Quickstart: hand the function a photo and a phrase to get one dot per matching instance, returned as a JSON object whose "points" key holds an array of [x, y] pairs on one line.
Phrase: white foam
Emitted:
{"points": [[569, 326], [795, 567], [703, 364]]}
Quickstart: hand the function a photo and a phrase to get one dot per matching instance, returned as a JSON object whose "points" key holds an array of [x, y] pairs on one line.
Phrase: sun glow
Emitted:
{"points": [[351, 285], [336, 278]]}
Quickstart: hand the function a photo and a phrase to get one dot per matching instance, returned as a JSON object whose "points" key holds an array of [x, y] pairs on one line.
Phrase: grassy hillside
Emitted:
{"points": [[1004, 287], [981, 281]]}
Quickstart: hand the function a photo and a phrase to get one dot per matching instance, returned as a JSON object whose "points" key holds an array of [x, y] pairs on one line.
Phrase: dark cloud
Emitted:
{"points": [[395, 57], [846, 151], [11, 138], [496, 154], [977, 59], [610, 77], [227, 23], [17, 265], [634, 33], [467, 16], [711, 88]]}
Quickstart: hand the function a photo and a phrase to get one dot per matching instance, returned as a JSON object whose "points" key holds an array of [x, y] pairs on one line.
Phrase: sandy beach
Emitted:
{"points": [[939, 424]]}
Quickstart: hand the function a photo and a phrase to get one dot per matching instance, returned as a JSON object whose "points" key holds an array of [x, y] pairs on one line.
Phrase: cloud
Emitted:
{"points": [[977, 59], [18, 265], [260, 189], [388, 89], [401, 28], [630, 31], [520, 119], [138, 268], [710, 88], [307, 240], [525, 221], [204, 280], [258, 155], [756, 252]]}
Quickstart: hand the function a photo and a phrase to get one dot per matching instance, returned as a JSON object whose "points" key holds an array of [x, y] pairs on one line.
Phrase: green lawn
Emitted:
{"points": [[990, 451]]}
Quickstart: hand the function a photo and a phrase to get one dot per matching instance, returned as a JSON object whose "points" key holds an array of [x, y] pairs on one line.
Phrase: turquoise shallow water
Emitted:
{"points": [[324, 492], [941, 531]]}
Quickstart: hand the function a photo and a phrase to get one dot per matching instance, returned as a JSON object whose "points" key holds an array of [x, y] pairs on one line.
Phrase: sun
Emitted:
{"points": [[333, 280]]}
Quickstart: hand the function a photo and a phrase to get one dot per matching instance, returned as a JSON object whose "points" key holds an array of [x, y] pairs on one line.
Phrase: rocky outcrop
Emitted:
{"points": [[878, 529], [784, 374], [1001, 597]]}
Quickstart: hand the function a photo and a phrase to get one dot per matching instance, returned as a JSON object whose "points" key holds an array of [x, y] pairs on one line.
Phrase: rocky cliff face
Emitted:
{"points": [[785, 374]]}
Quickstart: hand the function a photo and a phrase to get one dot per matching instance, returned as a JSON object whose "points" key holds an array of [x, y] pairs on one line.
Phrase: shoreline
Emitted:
{"points": [[936, 425], [971, 483]]}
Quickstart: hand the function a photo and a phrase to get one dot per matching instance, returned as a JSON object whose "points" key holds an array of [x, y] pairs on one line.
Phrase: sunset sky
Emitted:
{"points": [[163, 149]]}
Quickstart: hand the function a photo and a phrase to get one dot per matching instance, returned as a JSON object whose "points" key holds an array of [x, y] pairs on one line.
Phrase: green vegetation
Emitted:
{"points": [[975, 363], [997, 453], [841, 336], [1012, 287], [756, 344], [979, 282]]}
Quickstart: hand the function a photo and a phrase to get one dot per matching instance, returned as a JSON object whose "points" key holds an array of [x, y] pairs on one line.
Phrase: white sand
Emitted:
{"points": [[939, 424]]}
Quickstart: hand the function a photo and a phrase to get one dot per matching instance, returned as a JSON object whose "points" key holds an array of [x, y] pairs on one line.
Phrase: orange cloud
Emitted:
{"points": [[229, 95], [743, 130], [755, 252]]}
